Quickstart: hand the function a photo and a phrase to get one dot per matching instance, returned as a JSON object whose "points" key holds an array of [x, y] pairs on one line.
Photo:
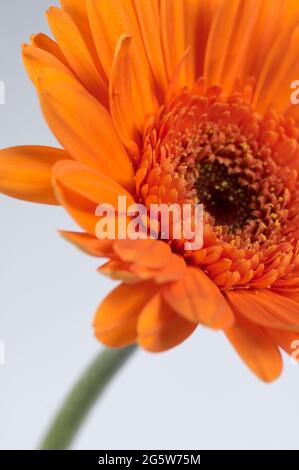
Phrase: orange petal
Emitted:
{"points": [[184, 24], [160, 328], [198, 299], [83, 126], [174, 270], [36, 59], [153, 254], [273, 87], [81, 189], [173, 35], [120, 92], [148, 16], [198, 22], [175, 83], [229, 39], [77, 9], [89, 244], [77, 53], [256, 348], [119, 271], [25, 172], [263, 39], [110, 19], [42, 41], [266, 308], [148, 260], [290, 10], [287, 340], [116, 319]]}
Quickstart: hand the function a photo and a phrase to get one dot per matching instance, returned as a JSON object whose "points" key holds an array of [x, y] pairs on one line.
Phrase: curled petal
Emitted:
{"points": [[42, 41], [109, 19], [121, 93]]}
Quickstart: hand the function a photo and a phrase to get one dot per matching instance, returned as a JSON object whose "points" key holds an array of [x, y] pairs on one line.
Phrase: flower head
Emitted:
{"points": [[176, 102]]}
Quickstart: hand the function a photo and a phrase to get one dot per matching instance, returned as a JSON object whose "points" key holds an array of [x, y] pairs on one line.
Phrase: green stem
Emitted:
{"points": [[83, 396]]}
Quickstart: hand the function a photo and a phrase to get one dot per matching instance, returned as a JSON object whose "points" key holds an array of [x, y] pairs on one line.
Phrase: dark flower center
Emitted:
{"points": [[225, 193]]}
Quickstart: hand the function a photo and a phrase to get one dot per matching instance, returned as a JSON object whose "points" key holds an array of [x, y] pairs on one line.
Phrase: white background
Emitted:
{"points": [[197, 396]]}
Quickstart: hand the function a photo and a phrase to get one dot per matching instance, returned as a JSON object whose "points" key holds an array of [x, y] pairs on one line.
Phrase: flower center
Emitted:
{"points": [[224, 193], [206, 147]]}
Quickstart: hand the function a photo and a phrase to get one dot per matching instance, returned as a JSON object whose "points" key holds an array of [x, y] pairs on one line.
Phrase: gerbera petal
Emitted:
{"points": [[178, 79], [198, 22], [256, 349], [150, 259], [279, 71], [42, 41], [153, 254], [120, 93], [81, 189], [160, 328], [172, 271], [265, 308], [77, 9], [184, 24], [229, 39], [116, 319], [283, 308], [287, 340], [144, 260], [119, 271], [265, 32], [110, 19], [36, 59], [173, 34], [197, 298], [25, 172], [148, 16], [77, 53], [83, 126], [89, 244]]}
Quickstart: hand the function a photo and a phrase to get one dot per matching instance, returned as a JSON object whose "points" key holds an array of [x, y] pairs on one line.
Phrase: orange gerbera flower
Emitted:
{"points": [[174, 101]]}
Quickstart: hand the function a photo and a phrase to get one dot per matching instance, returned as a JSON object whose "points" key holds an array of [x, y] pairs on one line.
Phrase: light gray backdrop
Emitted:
{"points": [[197, 396]]}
